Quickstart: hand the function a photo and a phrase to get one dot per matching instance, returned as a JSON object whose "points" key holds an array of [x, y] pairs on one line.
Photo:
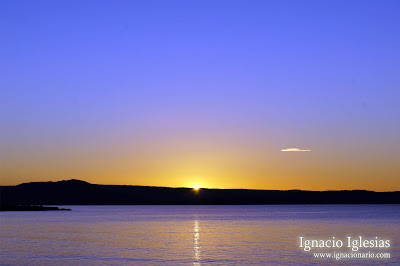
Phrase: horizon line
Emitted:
{"points": [[74, 179]]}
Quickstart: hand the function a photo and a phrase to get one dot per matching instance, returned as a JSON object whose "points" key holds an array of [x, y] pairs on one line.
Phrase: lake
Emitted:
{"points": [[199, 235]]}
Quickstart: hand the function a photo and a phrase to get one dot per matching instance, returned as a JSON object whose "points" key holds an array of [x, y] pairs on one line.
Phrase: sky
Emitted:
{"points": [[219, 94]]}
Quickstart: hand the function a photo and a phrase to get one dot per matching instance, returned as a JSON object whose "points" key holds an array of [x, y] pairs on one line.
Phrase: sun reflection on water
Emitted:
{"points": [[196, 243]]}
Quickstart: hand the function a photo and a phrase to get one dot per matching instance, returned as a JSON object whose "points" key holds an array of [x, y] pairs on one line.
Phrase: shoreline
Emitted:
{"points": [[30, 208]]}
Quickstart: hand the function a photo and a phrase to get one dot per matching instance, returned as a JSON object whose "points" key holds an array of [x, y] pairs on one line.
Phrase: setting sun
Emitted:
{"points": [[196, 187]]}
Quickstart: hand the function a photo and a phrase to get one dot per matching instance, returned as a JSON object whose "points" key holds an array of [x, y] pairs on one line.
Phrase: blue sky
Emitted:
{"points": [[95, 80]]}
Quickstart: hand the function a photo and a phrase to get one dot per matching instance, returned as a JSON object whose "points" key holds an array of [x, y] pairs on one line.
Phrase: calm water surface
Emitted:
{"points": [[193, 235]]}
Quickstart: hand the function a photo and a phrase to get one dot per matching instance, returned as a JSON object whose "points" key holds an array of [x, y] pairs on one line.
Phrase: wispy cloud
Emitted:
{"points": [[294, 149]]}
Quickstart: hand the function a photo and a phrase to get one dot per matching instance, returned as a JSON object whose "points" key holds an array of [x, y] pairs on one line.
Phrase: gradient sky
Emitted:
{"points": [[179, 93]]}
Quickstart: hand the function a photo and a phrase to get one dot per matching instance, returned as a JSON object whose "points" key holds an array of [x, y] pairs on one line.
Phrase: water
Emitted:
{"points": [[193, 235]]}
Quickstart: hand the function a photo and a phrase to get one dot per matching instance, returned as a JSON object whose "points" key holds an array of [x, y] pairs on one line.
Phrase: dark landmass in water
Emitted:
{"points": [[76, 192], [6, 207]]}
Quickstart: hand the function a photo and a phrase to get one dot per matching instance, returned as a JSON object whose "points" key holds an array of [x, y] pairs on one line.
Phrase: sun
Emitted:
{"points": [[196, 187]]}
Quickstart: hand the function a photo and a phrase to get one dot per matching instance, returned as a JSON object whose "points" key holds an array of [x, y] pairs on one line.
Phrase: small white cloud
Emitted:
{"points": [[294, 149]]}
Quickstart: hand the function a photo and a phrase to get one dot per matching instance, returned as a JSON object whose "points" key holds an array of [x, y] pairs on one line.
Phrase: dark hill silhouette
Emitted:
{"points": [[77, 192]]}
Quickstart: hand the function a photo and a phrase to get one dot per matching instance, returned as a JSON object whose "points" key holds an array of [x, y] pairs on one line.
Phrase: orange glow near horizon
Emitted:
{"points": [[213, 162]]}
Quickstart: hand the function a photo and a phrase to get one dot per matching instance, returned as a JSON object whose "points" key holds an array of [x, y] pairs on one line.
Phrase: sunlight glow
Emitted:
{"points": [[196, 187]]}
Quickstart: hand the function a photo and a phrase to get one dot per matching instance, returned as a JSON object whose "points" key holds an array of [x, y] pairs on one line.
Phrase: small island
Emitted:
{"points": [[30, 208]]}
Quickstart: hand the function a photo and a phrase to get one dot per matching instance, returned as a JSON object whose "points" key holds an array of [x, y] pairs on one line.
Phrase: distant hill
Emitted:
{"points": [[77, 192]]}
